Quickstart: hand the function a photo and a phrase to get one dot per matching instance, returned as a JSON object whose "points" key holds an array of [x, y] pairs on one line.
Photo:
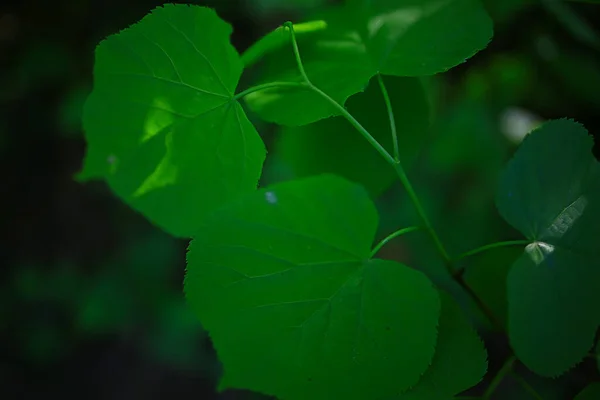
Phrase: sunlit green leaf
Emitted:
{"points": [[550, 191], [283, 282], [333, 145], [162, 125]]}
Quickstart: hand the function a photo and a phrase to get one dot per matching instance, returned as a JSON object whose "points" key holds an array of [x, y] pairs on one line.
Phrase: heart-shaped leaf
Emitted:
{"points": [[550, 191], [283, 282], [162, 125]]}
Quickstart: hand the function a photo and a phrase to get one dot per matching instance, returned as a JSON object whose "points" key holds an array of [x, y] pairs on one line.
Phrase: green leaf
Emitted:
{"points": [[333, 145], [591, 392], [362, 39], [460, 359], [162, 125], [282, 280], [335, 63], [550, 191]]}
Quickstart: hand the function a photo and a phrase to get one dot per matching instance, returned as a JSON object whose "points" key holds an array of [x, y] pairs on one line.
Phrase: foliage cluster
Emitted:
{"points": [[286, 278]]}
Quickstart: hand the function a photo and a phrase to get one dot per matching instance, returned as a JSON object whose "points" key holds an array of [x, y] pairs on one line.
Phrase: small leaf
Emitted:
{"points": [[550, 191], [591, 392], [366, 38], [162, 125], [283, 283], [460, 359], [334, 146]]}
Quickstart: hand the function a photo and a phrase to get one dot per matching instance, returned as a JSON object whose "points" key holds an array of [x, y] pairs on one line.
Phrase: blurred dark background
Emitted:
{"points": [[91, 302]]}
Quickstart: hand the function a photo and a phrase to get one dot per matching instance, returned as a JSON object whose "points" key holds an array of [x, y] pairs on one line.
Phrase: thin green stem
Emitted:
{"points": [[390, 237], [491, 246], [380, 149], [290, 26], [423, 215], [526, 386], [505, 369], [269, 85], [388, 105], [404, 180], [335, 104]]}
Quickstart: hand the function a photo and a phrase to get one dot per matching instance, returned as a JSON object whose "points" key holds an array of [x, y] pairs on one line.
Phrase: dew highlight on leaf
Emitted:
{"points": [[271, 197]]}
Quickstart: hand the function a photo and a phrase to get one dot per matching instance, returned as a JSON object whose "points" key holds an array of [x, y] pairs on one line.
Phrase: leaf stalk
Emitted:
{"points": [[392, 236]]}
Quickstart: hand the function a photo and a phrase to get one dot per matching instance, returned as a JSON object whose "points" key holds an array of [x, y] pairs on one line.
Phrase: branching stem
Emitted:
{"points": [[268, 85], [395, 163], [403, 179]]}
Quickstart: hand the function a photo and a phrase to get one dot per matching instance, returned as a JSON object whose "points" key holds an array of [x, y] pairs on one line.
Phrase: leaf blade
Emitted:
{"points": [[549, 191], [161, 122], [319, 316]]}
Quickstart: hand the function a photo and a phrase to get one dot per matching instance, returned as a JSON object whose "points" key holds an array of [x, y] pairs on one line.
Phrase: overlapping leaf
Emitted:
{"points": [[333, 145], [364, 38], [460, 360], [550, 191], [283, 282], [162, 125]]}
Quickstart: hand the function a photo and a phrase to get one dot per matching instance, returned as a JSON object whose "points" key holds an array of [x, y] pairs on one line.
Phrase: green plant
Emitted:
{"points": [[285, 278]]}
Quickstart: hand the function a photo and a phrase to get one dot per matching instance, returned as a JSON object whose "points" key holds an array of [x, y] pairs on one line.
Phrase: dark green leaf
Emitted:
{"points": [[550, 191], [333, 145], [283, 283], [162, 125], [364, 38], [460, 360], [591, 392]]}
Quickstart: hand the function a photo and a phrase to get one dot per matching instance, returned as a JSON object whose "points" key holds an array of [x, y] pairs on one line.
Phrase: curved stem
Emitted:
{"points": [[506, 367], [390, 237], [388, 105], [403, 179], [268, 86], [290, 26], [492, 246]]}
